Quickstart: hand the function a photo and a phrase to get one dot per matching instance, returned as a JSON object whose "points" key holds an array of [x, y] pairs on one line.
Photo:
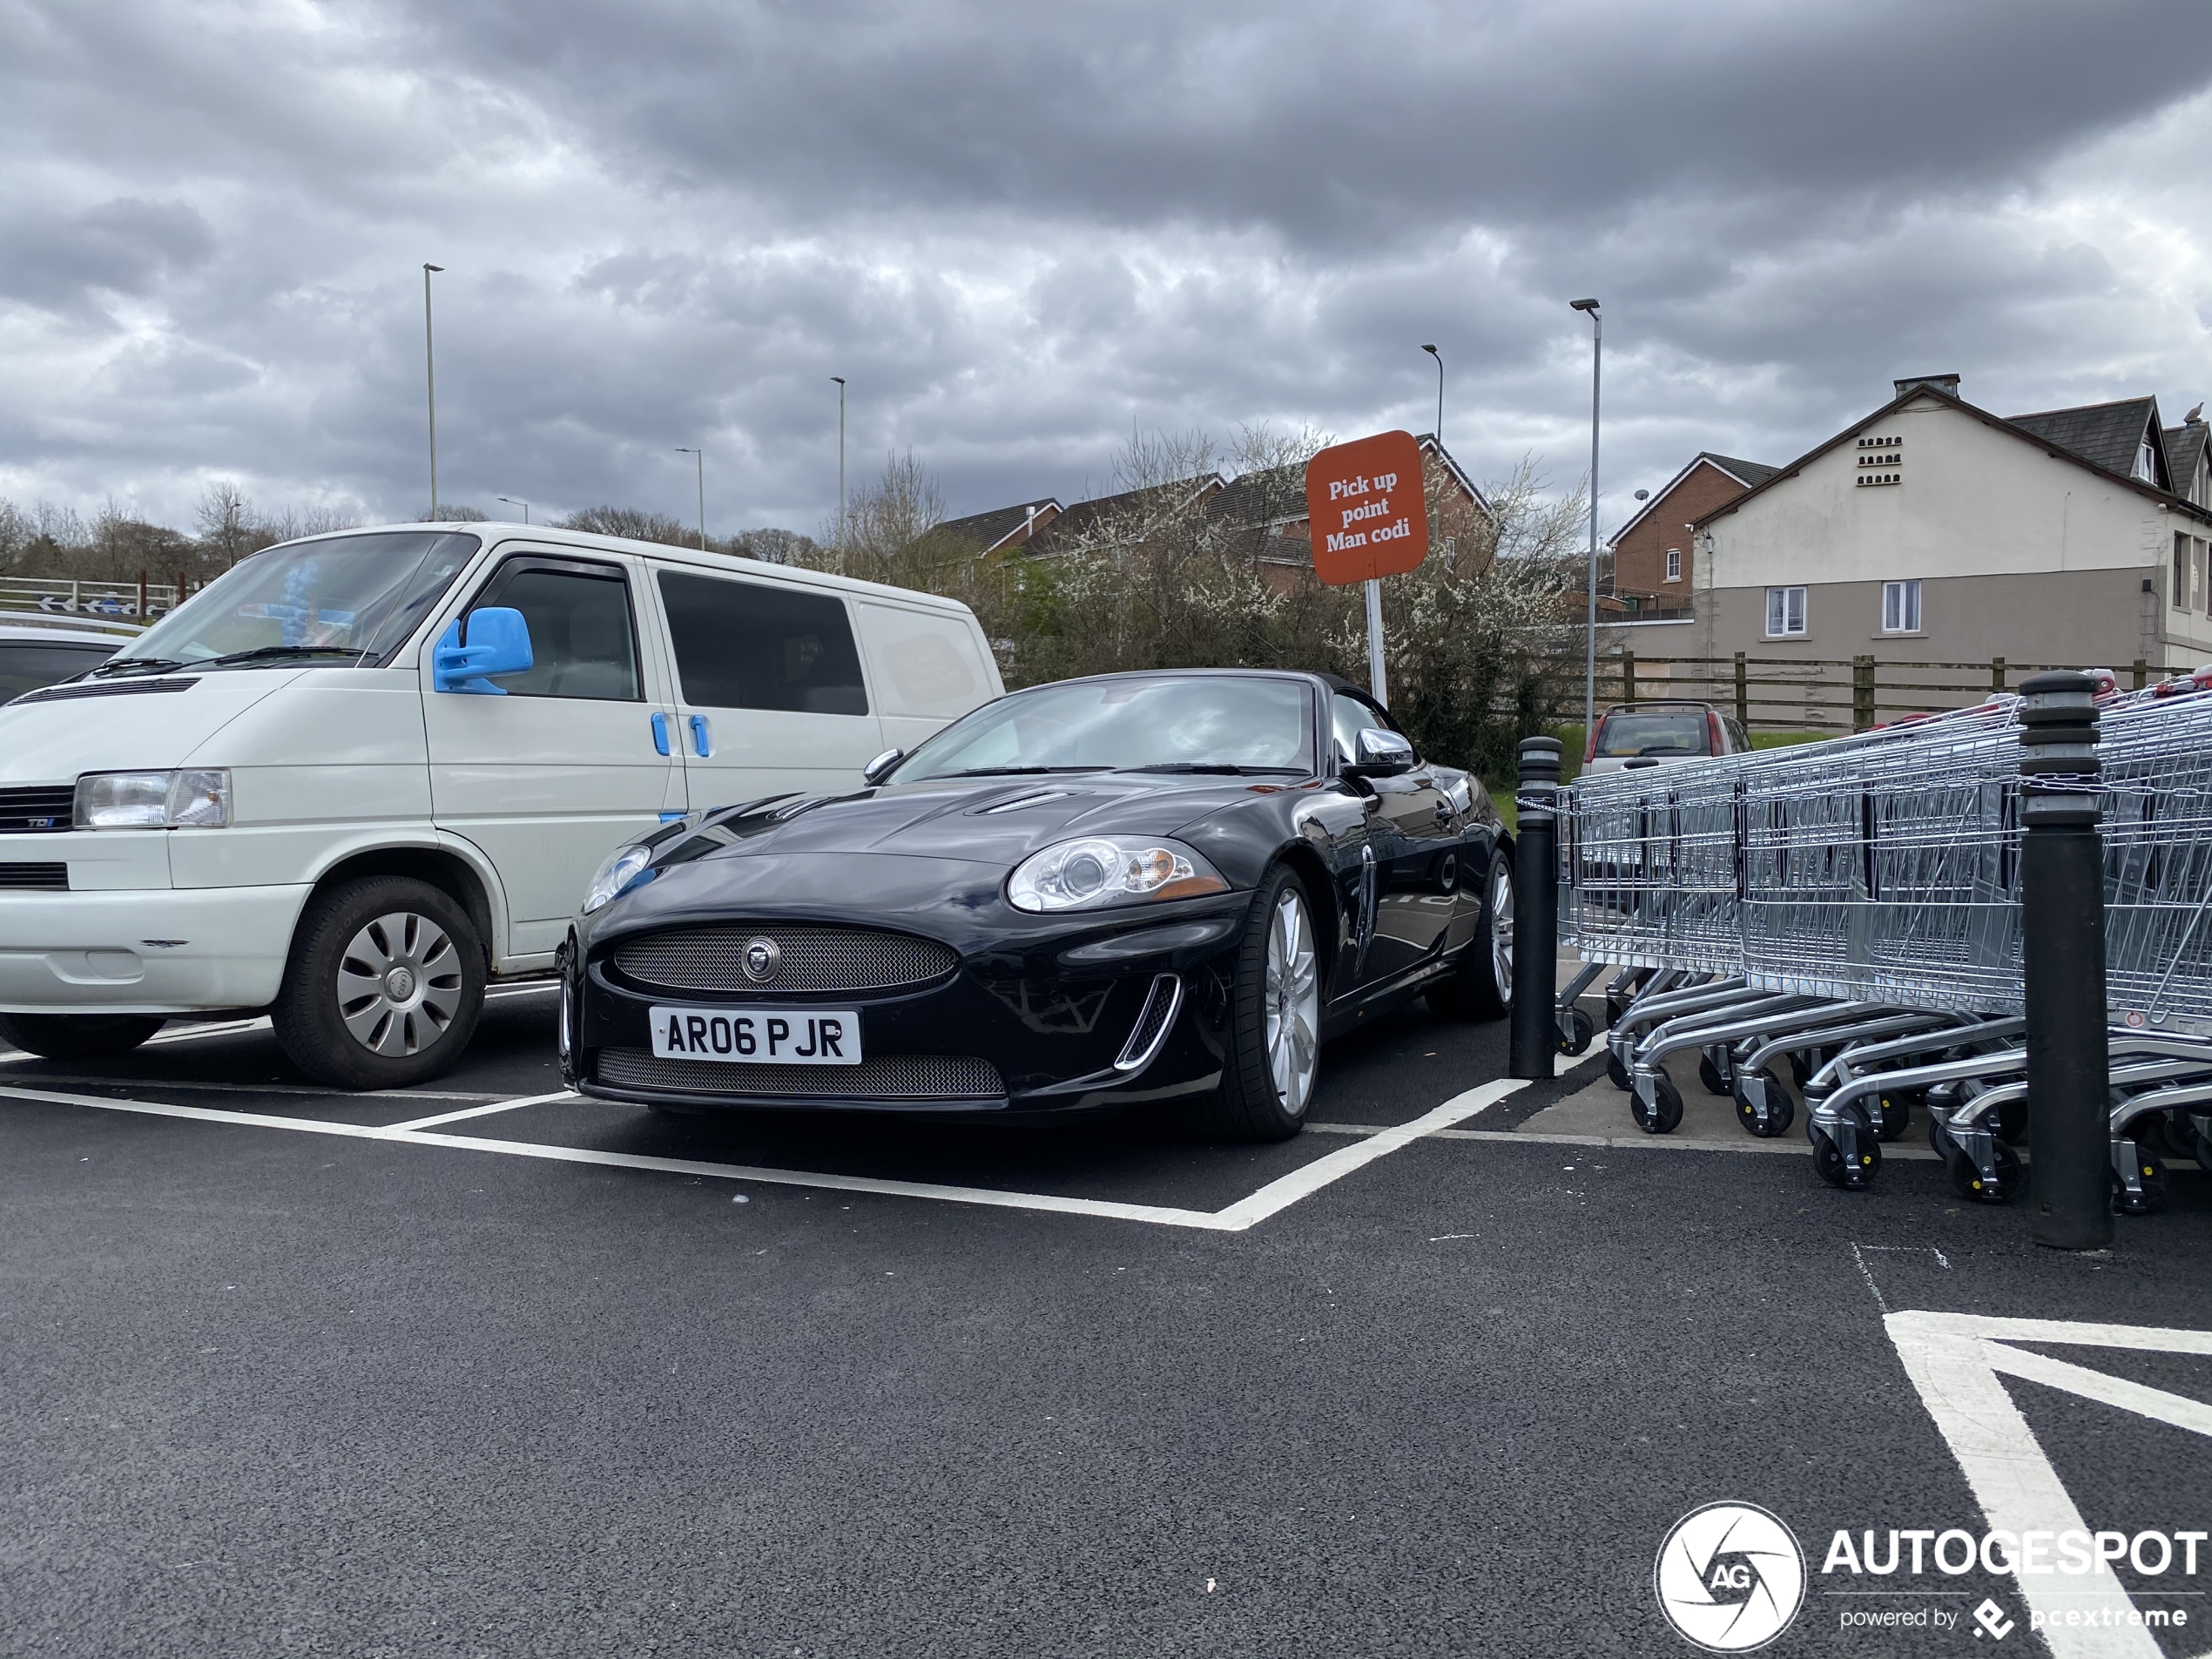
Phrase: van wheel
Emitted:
{"points": [[385, 983], [78, 1036]]}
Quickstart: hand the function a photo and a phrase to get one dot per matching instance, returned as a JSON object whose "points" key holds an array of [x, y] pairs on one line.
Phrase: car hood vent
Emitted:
{"points": [[107, 688], [1036, 798]]}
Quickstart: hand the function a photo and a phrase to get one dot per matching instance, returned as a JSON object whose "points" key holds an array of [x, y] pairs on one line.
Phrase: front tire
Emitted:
{"points": [[1482, 986], [1274, 1048], [384, 987], [78, 1036]]}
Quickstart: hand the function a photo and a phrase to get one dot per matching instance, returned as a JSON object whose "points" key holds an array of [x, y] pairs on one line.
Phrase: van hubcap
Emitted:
{"points": [[399, 983]]}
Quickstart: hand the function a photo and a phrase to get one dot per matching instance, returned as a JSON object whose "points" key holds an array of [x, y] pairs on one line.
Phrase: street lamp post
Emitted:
{"points": [[516, 501], [839, 379], [430, 382], [699, 455], [1589, 655], [1438, 355]]}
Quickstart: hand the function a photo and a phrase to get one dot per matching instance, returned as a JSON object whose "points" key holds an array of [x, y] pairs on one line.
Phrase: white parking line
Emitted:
{"points": [[486, 1111], [1660, 1143], [1274, 1196]]}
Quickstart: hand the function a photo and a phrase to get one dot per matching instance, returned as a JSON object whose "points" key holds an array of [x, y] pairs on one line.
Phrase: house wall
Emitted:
{"points": [[1640, 555], [2019, 554]]}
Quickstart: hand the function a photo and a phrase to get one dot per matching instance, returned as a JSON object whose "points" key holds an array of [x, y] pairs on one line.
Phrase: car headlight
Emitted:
{"points": [[1099, 871], [626, 867], [200, 799]]}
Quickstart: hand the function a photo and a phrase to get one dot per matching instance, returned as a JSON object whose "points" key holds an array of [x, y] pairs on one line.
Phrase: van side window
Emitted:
{"points": [[752, 645], [581, 635]]}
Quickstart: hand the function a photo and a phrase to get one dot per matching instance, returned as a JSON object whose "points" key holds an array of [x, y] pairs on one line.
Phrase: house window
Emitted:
{"points": [[1674, 564], [2202, 593], [1901, 607], [1785, 612], [2147, 460], [2180, 595]]}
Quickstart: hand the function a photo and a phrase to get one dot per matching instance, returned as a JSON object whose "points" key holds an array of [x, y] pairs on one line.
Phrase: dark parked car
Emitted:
{"points": [[36, 655], [1135, 888]]}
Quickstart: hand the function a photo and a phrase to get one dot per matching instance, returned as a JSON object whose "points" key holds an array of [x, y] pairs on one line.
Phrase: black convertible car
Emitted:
{"points": [[1135, 888]]}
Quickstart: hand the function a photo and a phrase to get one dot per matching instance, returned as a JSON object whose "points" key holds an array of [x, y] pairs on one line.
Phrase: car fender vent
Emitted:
{"points": [[35, 878], [897, 1076], [1162, 1003], [38, 810], [105, 688]]}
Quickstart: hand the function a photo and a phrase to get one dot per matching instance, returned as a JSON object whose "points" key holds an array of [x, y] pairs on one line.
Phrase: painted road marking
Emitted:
{"points": [[486, 1111], [1666, 1142], [1957, 1361], [1247, 1212]]}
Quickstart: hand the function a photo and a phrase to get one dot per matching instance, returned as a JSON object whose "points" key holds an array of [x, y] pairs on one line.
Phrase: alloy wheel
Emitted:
{"points": [[1292, 993], [399, 983], [1501, 928]]}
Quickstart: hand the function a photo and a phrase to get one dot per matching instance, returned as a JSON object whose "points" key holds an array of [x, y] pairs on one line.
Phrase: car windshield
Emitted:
{"points": [[1220, 723], [346, 595], [1653, 731]]}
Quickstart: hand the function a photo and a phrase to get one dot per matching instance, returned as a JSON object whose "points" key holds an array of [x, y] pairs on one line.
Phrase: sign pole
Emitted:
{"points": [[1377, 681]]}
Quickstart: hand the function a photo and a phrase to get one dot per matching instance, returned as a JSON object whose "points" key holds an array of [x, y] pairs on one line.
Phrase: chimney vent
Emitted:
{"points": [[1947, 384]]}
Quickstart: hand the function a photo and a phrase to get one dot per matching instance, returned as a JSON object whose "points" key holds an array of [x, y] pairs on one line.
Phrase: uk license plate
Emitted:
{"points": [[762, 1036]]}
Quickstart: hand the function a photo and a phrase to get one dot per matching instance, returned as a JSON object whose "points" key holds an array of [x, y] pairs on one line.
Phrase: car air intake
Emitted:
{"points": [[1152, 1023], [105, 688], [36, 810], [807, 957], [45, 878], [898, 1076]]}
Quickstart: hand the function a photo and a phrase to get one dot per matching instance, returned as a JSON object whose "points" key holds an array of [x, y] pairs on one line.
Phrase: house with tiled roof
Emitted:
{"points": [[1262, 513], [1654, 557], [1122, 520], [1931, 531], [1003, 527]]}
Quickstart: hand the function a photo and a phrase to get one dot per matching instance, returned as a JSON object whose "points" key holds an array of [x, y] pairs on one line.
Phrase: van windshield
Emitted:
{"points": [[354, 596]]}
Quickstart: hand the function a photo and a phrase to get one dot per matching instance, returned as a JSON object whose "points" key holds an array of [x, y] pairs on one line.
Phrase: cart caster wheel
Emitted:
{"points": [[1616, 1008], [1939, 1141], [1854, 1172], [1762, 1106], [1892, 1115], [2150, 1192], [1661, 1113], [1968, 1182], [1576, 1031], [1615, 1070], [1710, 1072], [1801, 1069]]}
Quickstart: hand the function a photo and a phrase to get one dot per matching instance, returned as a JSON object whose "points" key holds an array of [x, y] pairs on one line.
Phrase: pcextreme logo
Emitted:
{"points": [[1729, 1577]]}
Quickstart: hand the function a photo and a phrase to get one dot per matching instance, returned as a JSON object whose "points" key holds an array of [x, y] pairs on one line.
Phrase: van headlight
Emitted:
{"points": [[1102, 870], [198, 799], [626, 867]]}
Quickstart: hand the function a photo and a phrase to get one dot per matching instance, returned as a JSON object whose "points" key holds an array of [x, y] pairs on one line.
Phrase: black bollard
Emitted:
{"points": [[2062, 956], [1535, 935]]}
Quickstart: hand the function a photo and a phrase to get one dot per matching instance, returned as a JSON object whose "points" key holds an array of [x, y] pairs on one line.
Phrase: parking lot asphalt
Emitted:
{"points": [[564, 1378]]}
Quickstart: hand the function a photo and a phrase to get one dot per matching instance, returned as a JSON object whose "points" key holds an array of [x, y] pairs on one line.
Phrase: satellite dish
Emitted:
{"points": [[1643, 495]]}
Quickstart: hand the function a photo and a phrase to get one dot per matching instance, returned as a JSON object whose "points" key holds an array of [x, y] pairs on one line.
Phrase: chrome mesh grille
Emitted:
{"points": [[897, 1076], [816, 957]]}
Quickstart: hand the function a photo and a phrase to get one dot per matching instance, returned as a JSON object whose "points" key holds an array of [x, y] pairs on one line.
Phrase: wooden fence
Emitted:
{"points": [[1805, 694]]}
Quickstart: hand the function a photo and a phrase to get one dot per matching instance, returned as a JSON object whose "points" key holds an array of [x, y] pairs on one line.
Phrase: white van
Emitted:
{"points": [[325, 786]]}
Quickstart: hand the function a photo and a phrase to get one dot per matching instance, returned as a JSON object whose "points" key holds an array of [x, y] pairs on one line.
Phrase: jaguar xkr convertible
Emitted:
{"points": [[1140, 888]]}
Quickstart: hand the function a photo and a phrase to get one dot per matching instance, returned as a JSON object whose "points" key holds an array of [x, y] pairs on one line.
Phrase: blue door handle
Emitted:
{"points": [[699, 743], [660, 733]]}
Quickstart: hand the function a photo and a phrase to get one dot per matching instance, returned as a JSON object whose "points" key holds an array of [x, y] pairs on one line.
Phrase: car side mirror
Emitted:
{"points": [[879, 768], [1377, 753], [494, 640]]}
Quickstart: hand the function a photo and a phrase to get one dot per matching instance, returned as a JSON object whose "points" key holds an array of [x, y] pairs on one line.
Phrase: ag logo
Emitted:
{"points": [[1729, 1577], [761, 958]]}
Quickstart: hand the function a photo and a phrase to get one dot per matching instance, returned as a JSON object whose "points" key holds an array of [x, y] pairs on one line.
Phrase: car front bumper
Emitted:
{"points": [[1031, 1024]]}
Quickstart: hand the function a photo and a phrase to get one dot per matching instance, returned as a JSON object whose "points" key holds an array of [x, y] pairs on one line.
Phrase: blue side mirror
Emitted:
{"points": [[494, 640]]}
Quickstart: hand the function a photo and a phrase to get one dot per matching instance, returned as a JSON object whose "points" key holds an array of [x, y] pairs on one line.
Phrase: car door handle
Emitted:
{"points": [[660, 733], [700, 745]]}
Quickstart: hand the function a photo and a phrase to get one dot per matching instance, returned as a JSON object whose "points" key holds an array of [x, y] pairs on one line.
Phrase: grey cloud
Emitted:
{"points": [[62, 263]]}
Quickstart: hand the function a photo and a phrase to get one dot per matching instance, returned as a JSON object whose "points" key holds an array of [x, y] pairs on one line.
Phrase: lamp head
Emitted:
{"points": [[1583, 305], [1432, 351], [839, 379], [429, 266]]}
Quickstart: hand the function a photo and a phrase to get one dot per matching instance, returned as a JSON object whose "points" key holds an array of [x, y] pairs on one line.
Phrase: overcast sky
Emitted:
{"points": [[1020, 230]]}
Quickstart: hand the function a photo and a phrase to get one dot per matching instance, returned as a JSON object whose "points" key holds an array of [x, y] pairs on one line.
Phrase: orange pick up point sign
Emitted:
{"points": [[1365, 504]]}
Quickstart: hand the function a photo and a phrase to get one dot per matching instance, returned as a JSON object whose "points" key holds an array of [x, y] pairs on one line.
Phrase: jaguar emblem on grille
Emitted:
{"points": [[762, 957]]}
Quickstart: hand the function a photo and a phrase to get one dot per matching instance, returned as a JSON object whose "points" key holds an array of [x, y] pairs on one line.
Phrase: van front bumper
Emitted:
{"points": [[151, 951]]}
